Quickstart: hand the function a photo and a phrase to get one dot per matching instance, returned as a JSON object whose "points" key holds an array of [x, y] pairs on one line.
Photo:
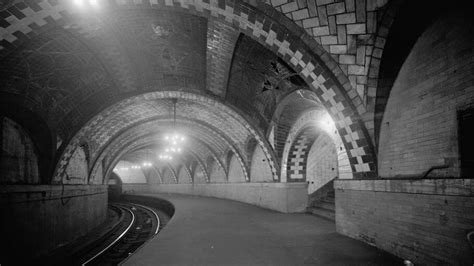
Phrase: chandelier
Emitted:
{"points": [[173, 141]]}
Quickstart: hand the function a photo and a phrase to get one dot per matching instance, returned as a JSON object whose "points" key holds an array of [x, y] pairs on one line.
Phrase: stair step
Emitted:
{"points": [[330, 215], [329, 200], [330, 206]]}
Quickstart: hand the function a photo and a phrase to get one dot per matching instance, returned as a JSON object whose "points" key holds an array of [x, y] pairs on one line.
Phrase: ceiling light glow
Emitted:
{"points": [[327, 123], [94, 3]]}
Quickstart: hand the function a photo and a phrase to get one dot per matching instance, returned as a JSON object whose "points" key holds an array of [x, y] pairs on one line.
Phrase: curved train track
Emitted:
{"points": [[139, 224]]}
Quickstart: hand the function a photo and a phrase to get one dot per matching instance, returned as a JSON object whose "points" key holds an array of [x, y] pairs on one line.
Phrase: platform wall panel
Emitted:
{"points": [[37, 219], [425, 221], [283, 197]]}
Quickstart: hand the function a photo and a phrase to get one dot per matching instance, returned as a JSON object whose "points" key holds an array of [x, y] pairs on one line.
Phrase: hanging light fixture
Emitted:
{"points": [[147, 163], [173, 140]]}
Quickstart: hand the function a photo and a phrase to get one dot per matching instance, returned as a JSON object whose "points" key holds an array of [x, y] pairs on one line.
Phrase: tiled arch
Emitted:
{"points": [[273, 30], [156, 126], [298, 154], [306, 122], [91, 126], [129, 140]]}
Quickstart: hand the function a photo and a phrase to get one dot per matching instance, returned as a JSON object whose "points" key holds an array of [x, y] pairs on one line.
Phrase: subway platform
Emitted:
{"points": [[211, 231]]}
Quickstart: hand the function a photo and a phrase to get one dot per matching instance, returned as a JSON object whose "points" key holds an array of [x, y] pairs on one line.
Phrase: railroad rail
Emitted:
{"points": [[141, 224]]}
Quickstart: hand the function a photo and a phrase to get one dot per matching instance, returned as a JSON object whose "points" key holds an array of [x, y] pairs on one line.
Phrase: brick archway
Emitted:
{"points": [[278, 34], [97, 129]]}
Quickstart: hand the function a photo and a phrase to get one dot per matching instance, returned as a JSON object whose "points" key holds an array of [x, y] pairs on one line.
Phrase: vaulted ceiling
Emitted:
{"points": [[106, 75]]}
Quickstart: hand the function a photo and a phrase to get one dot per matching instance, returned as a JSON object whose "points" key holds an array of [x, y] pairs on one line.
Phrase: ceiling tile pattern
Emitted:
{"points": [[305, 56]]}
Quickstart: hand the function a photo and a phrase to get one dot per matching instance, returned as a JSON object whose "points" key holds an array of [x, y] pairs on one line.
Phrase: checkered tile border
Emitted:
{"points": [[122, 144], [298, 156], [16, 25]]}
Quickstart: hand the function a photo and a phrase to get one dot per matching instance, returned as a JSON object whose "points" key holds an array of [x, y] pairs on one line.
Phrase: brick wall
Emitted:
{"points": [[419, 128], [425, 220], [322, 163]]}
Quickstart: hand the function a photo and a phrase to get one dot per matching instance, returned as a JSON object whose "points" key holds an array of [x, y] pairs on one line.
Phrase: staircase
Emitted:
{"points": [[322, 202]]}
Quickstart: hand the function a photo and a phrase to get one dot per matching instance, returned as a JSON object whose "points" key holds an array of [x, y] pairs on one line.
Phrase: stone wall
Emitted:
{"points": [[38, 219], [283, 197], [425, 221]]}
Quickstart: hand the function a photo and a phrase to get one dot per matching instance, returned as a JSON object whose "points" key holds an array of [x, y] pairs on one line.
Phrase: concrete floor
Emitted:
{"points": [[209, 231]]}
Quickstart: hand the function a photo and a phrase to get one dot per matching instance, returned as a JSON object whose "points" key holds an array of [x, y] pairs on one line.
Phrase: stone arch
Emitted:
{"points": [[66, 153], [310, 121], [305, 55], [18, 156]]}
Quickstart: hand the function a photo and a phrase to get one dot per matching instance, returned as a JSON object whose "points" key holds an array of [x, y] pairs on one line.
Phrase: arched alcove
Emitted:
{"points": [[18, 159]]}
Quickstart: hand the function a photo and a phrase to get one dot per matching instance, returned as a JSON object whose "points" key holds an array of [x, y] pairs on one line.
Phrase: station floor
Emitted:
{"points": [[210, 231]]}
